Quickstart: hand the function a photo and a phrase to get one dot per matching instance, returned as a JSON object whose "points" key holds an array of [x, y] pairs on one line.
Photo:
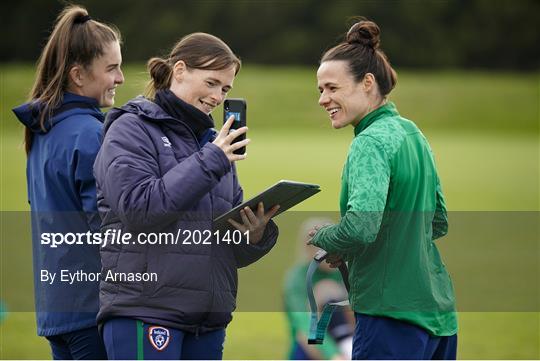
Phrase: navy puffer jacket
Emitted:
{"points": [[152, 175]]}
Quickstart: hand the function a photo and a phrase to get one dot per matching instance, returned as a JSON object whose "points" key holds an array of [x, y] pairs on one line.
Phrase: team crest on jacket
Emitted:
{"points": [[159, 337]]}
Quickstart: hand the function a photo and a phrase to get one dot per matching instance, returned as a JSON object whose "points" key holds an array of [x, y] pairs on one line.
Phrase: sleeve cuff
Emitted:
{"points": [[222, 161], [318, 240]]}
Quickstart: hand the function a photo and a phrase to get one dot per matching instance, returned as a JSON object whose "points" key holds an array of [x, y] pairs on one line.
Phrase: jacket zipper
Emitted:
{"points": [[205, 317]]}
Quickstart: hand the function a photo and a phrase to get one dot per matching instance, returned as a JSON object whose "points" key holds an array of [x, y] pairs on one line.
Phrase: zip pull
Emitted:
{"points": [[197, 333]]}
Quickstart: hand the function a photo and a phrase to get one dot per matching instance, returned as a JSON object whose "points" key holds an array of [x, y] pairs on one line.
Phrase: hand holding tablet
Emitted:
{"points": [[284, 194], [254, 223]]}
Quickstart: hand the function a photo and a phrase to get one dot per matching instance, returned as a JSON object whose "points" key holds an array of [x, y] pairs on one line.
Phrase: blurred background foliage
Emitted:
{"points": [[483, 34]]}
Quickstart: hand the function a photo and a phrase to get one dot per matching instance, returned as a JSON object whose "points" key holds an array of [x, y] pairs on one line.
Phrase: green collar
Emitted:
{"points": [[388, 109]]}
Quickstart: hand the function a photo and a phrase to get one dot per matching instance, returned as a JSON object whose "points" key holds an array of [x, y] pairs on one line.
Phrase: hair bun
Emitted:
{"points": [[158, 67], [160, 72], [364, 32]]}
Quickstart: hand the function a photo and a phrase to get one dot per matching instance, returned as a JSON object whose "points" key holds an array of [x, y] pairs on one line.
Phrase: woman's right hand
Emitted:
{"points": [[224, 140], [334, 260]]}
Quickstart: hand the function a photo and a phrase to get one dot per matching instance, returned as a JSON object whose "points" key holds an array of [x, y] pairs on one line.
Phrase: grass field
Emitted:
{"points": [[483, 129]]}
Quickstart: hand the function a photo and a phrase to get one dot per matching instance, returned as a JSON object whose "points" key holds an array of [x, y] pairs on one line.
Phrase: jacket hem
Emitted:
{"points": [[53, 331]]}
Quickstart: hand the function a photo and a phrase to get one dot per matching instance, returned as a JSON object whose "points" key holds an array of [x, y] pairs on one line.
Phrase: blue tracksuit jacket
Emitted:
{"points": [[62, 197]]}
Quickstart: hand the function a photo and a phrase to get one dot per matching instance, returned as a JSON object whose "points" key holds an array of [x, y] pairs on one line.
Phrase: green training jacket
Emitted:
{"points": [[392, 211]]}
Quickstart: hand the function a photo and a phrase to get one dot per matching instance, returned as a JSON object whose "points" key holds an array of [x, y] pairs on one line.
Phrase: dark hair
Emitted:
{"points": [[75, 39], [361, 49], [198, 51]]}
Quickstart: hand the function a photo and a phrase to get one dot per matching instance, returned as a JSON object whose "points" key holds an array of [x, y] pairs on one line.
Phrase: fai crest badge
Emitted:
{"points": [[159, 337]]}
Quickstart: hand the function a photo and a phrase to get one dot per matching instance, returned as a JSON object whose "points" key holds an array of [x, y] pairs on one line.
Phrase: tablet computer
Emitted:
{"points": [[285, 193]]}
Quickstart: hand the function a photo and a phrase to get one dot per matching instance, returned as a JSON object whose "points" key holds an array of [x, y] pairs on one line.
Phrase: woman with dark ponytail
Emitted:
{"points": [[77, 74], [164, 169], [392, 211]]}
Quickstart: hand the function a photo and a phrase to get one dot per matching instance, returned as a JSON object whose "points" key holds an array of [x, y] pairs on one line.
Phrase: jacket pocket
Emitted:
{"points": [[129, 266]]}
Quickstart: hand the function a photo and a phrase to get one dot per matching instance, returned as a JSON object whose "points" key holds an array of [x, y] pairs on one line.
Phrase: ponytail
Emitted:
{"points": [[75, 39], [160, 73]]}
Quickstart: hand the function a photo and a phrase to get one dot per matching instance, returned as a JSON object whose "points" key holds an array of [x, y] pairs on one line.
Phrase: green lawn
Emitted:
{"points": [[483, 129]]}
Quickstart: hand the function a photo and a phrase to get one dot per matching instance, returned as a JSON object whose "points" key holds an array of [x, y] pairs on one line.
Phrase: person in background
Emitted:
{"points": [[77, 74], [163, 168], [392, 210], [327, 287]]}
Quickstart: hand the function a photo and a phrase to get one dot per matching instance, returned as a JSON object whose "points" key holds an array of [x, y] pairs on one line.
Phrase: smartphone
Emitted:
{"points": [[238, 108]]}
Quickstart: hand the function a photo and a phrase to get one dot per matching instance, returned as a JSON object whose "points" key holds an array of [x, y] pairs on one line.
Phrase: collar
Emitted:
{"points": [[72, 104], [198, 121], [386, 110], [75, 98]]}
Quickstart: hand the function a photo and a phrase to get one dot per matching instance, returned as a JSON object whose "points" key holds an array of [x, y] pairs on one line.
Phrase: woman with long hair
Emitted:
{"points": [[77, 74]]}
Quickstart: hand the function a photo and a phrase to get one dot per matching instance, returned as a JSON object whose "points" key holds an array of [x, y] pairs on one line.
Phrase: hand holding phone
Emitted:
{"points": [[238, 109], [226, 138]]}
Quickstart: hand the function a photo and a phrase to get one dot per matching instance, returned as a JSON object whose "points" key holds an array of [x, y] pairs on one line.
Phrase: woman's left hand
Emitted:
{"points": [[334, 260], [313, 232], [254, 223]]}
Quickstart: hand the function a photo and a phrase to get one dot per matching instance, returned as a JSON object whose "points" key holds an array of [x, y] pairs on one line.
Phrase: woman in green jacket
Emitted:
{"points": [[392, 211]]}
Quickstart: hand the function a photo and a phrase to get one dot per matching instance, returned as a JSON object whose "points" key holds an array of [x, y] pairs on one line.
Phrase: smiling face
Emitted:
{"points": [[100, 79], [345, 100], [204, 89]]}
